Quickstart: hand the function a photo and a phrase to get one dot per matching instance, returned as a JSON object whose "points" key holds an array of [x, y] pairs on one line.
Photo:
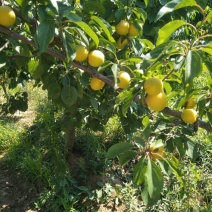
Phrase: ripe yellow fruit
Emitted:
{"points": [[153, 86], [96, 58], [122, 28], [7, 16], [189, 116], [190, 103], [132, 30], [157, 153], [124, 79], [156, 102], [81, 53], [96, 84], [120, 44]]}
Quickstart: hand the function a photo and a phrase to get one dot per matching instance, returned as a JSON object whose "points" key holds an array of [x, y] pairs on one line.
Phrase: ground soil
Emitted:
{"points": [[16, 193]]}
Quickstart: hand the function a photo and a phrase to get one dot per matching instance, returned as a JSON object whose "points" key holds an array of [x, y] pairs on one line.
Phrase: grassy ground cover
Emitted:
{"points": [[86, 180]]}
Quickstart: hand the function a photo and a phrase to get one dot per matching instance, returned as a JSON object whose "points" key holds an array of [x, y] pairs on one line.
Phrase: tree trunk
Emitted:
{"points": [[70, 136]]}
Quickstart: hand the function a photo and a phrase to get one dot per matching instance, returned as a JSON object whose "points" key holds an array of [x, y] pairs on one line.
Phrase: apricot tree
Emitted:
{"points": [[167, 40]]}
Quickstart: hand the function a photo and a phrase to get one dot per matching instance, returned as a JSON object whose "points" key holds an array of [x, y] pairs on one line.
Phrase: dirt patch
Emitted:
{"points": [[16, 193]]}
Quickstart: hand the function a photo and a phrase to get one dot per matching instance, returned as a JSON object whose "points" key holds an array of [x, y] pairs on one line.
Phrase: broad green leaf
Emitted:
{"points": [[154, 179], [209, 117], [104, 26], [107, 45], [124, 99], [94, 102], [191, 149], [139, 171], [176, 168], [148, 201], [94, 7], [146, 2], [167, 8], [185, 3], [159, 50], [118, 149], [88, 31], [54, 4], [193, 66], [140, 141], [35, 69], [69, 95], [45, 32], [208, 64], [147, 43], [167, 30], [54, 90], [71, 16], [68, 43], [126, 156], [207, 48], [174, 5]]}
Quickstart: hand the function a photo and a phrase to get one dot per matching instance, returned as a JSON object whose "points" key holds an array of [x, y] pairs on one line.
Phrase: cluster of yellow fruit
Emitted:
{"points": [[156, 98], [7, 16], [156, 153], [96, 58], [123, 81], [124, 28], [189, 115]]}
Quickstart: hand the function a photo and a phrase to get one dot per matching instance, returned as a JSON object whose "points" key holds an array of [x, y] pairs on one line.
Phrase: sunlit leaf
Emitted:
{"points": [[154, 179], [193, 66], [167, 30], [174, 5], [126, 157], [88, 31], [104, 27], [45, 32], [139, 171], [118, 149]]}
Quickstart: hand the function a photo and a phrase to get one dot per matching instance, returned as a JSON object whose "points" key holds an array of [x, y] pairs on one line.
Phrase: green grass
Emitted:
{"points": [[93, 181]]}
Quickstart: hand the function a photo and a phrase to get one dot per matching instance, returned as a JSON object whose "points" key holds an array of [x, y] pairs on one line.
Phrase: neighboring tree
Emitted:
{"points": [[140, 60]]}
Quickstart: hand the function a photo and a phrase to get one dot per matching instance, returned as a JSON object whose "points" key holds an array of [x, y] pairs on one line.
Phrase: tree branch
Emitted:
{"points": [[91, 72], [175, 113]]}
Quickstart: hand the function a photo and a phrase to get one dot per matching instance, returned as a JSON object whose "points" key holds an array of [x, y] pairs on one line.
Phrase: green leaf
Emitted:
{"points": [[167, 30], [139, 171], [148, 201], [69, 95], [35, 69], [193, 66], [126, 156], [54, 90], [191, 149], [118, 149], [140, 141], [55, 6], [88, 31], [209, 117], [94, 7], [107, 45], [71, 16], [174, 5], [104, 26], [124, 99], [45, 32], [69, 46], [207, 48], [176, 168], [154, 179]]}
